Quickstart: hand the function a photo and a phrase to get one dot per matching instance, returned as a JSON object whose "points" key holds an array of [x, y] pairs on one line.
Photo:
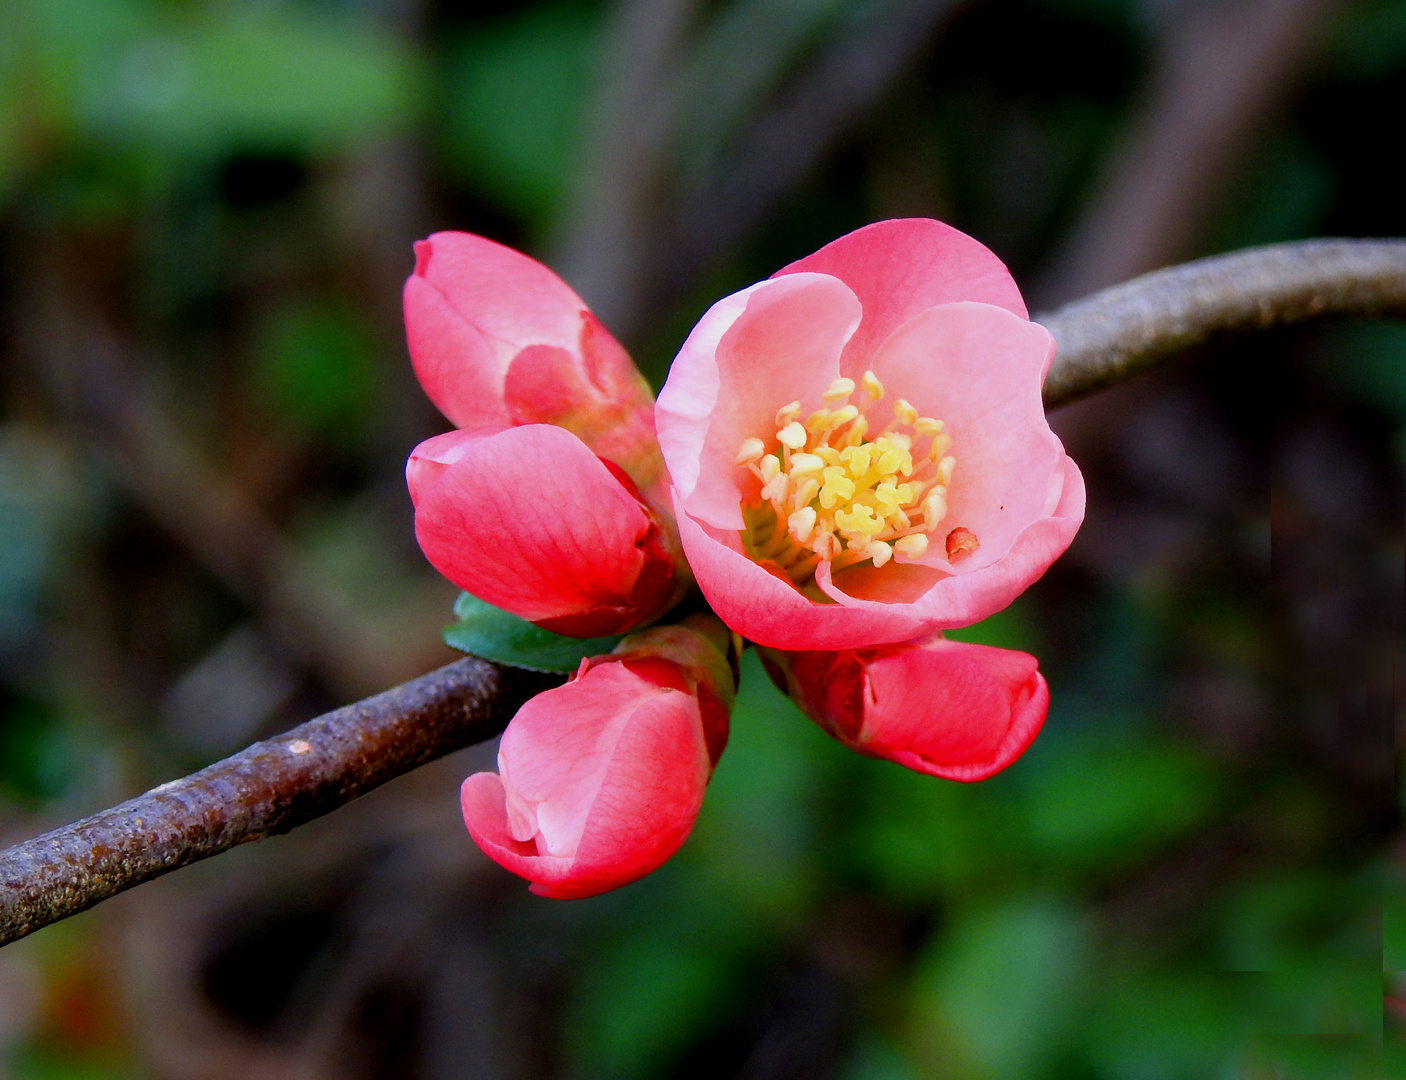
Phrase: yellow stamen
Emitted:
{"points": [[801, 524], [806, 463], [787, 413], [878, 551], [749, 451], [828, 492], [911, 547], [792, 436]]}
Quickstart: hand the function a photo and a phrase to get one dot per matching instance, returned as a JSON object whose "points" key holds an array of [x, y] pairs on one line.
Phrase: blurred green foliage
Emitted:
{"points": [[516, 93]]}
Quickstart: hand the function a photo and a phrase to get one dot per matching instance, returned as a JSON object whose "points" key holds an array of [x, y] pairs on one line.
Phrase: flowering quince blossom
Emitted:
{"points": [[945, 708], [858, 448], [599, 780], [550, 501]]}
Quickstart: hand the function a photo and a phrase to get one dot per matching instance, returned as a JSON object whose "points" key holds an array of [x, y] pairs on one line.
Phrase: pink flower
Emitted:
{"points": [[945, 708], [551, 501], [858, 448], [599, 780]]}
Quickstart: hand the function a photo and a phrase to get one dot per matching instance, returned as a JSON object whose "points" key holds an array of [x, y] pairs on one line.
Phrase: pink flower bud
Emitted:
{"points": [[945, 708], [599, 780], [497, 339]]}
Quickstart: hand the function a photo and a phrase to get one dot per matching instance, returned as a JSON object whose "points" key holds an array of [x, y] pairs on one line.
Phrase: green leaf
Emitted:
{"points": [[493, 634]]}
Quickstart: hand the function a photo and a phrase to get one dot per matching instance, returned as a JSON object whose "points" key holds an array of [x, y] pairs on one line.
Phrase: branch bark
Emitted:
{"points": [[281, 783], [1113, 334], [268, 788]]}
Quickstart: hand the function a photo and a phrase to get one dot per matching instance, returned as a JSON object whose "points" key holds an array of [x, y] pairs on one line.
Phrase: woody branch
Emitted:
{"points": [[278, 784]]}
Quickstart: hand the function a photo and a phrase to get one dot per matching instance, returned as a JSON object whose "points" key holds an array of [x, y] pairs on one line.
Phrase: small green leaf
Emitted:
{"points": [[493, 634]]}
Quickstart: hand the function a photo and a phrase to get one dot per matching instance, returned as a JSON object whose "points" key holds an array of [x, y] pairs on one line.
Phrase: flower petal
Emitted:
{"points": [[776, 342], [470, 306], [612, 767], [555, 753], [965, 598], [529, 520], [952, 709], [771, 611], [900, 267], [978, 368], [483, 800], [458, 368]]}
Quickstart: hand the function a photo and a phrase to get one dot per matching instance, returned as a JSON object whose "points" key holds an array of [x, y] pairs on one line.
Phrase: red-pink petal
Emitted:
{"points": [[765, 609], [527, 519], [901, 267], [777, 342], [970, 596], [952, 709], [470, 306], [979, 368], [610, 768], [458, 368]]}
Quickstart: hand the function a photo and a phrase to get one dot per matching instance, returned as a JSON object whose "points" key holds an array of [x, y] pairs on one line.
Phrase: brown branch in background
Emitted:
{"points": [[1105, 338], [280, 783], [1222, 69], [94, 382], [641, 232], [269, 788], [790, 139], [614, 210]]}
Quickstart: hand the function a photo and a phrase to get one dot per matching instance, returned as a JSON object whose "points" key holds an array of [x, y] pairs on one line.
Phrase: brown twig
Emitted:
{"points": [[268, 788], [1113, 334], [278, 784]]}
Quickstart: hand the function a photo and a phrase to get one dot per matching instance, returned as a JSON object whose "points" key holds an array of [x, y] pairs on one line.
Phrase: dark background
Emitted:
{"points": [[206, 211]]}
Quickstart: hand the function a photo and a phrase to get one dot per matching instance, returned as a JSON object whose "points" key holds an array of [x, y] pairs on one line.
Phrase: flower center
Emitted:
{"points": [[829, 491]]}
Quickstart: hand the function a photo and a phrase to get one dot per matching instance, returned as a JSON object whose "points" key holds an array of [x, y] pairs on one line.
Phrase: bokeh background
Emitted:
{"points": [[206, 211]]}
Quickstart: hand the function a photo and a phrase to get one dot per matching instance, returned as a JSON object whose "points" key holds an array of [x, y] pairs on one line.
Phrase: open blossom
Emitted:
{"points": [[599, 780], [946, 708], [858, 447], [551, 500]]}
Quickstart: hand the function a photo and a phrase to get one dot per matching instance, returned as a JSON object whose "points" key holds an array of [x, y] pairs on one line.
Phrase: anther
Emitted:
{"points": [[749, 451], [806, 490], [911, 547], [905, 413], [878, 551], [806, 463], [841, 417], [839, 390], [792, 436], [801, 525], [776, 487], [770, 466], [787, 413], [926, 425], [934, 508], [872, 386], [961, 542]]}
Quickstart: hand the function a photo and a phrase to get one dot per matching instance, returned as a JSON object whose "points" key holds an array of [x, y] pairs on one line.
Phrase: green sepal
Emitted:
{"points": [[492, 634]]}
